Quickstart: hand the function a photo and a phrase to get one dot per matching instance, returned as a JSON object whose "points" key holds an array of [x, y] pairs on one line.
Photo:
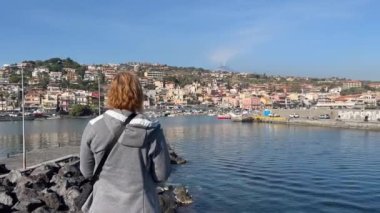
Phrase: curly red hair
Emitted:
{"points": [[125, 92]]}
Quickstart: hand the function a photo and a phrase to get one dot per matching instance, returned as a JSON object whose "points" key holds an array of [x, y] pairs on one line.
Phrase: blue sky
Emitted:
{"points": [[321, 38]]}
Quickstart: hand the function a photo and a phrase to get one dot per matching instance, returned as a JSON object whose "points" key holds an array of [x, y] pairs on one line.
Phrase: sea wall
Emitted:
{"points": [[306, 113], [347, 115], [359, 115], [337, 124]]}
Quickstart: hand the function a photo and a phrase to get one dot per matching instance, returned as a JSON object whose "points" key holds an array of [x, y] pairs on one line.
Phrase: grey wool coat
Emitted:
{"points": [[138, 161]]}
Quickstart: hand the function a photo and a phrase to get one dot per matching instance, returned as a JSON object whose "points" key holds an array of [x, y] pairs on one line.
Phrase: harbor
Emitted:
{"points": [[350, 119], [259, 164]]}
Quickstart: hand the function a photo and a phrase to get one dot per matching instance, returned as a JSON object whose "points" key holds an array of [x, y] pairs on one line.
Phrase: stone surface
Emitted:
{"points": [[24, 194], [167, 201], [60, 187], [48, 170], [3, 169], [182, 196], [174, 158], [39, 181], [28, 205], [52, 200], [4, 208], [43, 209], [6, 199], [5, 188], [85, 190], [71, 197], [69, 170], [6, 182], [14, 176]]}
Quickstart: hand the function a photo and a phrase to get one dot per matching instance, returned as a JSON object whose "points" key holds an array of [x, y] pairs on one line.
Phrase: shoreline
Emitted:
{"points": [[38, 156], [353, 125]]}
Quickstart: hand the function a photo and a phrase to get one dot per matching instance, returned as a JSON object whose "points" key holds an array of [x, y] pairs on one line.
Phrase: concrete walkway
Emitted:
{"points": [[337, 124], [38, 156]]}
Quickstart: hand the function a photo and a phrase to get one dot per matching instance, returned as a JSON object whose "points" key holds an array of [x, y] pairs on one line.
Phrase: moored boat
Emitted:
{"points": [[12, 117], [225, 116], [53, 117]]}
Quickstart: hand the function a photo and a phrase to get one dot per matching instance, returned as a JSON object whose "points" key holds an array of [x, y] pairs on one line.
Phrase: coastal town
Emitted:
{"points": [[63, 86]]}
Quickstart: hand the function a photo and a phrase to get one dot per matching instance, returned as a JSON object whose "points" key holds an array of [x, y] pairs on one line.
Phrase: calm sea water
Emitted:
{"points": [[243, 167]]}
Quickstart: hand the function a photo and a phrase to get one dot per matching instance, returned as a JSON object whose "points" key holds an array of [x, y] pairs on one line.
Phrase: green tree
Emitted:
{"points": [[150, 87], [44, 79], [352, 91], [14, 78], [81, 110]]}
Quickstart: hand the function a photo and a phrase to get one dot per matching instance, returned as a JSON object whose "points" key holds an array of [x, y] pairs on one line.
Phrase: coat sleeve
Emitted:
{"points": [[159, 155], [87, 160]]}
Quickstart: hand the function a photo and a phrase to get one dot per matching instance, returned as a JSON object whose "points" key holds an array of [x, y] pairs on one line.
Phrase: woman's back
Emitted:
{"points": [[138, 161]]}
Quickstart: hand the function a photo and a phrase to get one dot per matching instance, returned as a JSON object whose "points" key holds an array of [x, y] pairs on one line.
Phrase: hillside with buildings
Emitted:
{"points": [[56, 85]]}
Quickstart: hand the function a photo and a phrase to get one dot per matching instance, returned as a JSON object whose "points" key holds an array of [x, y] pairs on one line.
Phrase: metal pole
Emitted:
{"points": [[99, 93], [23, 121]]}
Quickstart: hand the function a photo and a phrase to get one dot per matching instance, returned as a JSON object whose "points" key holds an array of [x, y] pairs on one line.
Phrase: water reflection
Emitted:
{"points": [[244, 167], [40, 134], [237, 167]]}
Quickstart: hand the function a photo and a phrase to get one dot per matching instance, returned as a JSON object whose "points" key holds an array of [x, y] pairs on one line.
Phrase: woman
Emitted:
{"points": [[138, 161]]}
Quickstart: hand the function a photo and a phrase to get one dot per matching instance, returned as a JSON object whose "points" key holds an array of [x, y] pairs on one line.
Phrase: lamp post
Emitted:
{"points": [[23, 120], [99, 93], [2, 101]]}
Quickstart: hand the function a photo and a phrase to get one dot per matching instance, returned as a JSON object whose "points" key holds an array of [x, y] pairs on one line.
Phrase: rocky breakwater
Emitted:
{"points": [[174, 158], [60, 187]]}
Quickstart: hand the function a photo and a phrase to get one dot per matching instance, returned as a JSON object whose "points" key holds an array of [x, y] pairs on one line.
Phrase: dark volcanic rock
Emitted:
{"points": [[78, 180], [48, 170], [42, 209], [6, 182], [171, 197], [5, 188], [85, 190], [3, 169], [70, 170], [62, 188], [28, 205], [6, 199], [4, 208], [52, 200], [71, 196], [24, 193], [175, 159], [39, 181], [167, 201], [14, 176], [182, 196]]}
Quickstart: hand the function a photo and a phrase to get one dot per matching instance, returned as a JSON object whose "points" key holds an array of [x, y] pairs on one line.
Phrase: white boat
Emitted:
{"points": [[53, 117]]}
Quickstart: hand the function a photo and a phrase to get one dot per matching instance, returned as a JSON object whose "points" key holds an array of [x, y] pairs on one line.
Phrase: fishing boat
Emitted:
{"points": [[224, 116], [15, 117], [53, 117]]}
